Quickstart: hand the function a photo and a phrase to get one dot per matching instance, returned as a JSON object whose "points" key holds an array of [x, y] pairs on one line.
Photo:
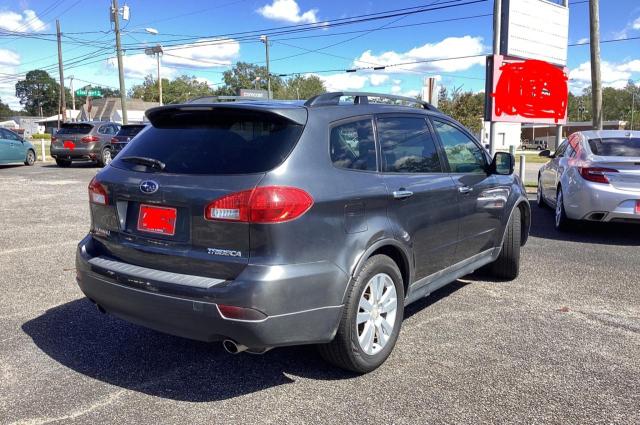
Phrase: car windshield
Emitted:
{"points": [[616, 146], [218, 142], [75, 129], [130, 130]]}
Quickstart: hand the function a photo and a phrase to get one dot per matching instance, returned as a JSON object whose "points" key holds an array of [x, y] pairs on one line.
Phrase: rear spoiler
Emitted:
{"points": [[163, 116]]}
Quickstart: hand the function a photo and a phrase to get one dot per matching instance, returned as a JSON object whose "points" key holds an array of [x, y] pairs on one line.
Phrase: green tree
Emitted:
{"points": [[243, 76], [5, 110], [38, 90], [466, 107], [173, 91], [302, 87]]}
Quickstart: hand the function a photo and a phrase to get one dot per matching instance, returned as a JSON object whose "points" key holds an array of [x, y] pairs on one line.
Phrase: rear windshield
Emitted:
{"points": [[620, 146], [75, 129], [216, 142], [130, 130]]}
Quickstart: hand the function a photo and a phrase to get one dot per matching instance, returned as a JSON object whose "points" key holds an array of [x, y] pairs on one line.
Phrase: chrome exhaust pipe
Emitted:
{"points": [[233, 347]]}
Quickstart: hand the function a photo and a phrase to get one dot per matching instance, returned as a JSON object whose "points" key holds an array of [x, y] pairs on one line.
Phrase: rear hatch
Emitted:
{"points": [[70, 135], [621, 154], [155, 214]]}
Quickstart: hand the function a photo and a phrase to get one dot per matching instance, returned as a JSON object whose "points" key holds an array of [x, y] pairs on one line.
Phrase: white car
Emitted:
{"points": [[594, 176]]}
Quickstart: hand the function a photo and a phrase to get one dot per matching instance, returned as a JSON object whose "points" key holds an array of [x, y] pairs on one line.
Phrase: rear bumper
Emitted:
{"points": [[600, 202], [192, 312], [79, 152]]}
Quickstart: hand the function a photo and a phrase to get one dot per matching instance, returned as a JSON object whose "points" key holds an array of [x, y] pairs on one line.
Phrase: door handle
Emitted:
{"points": [[465, 189], [401, 194]]}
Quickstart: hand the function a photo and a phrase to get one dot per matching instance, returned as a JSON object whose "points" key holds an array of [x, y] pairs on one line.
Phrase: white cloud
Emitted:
{"points": [[583, 40], [344, 81], [28, 21], [636, 24], [288, 11], [451, 46], [205, 53], [614, 75], [396, 89], [624, 33], [378, 79], [9, 62]]}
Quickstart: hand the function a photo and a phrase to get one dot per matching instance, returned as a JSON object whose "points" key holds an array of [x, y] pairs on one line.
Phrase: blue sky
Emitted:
{"points": [[27, 41]]}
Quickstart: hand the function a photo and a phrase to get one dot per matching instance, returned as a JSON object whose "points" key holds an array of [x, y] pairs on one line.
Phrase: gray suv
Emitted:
{"points": [[89, 140], [267, 224]]}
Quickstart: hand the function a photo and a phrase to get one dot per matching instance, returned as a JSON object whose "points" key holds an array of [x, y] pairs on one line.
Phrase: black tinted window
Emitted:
{"points": [[407, 145], [352, 145], [622, 146], [216, 142], [463, 155], [130, 130], [75, 129]]}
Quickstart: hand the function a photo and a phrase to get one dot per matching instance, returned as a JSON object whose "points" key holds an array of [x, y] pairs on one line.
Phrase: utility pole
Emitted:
{"points": [[73, 95], [115, 11], [63, 104], [596, 81], [265, 40], [497, 16], [633, 104], [157, 51]]}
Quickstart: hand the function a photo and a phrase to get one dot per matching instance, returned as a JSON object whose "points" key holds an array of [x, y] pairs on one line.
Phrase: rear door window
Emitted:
{"points": [[219, 141], [616, 146], [353, 146], [407, 145]]}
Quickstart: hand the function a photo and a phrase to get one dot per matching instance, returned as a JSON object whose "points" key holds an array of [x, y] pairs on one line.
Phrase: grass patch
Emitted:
{"points": [[38, 147]]}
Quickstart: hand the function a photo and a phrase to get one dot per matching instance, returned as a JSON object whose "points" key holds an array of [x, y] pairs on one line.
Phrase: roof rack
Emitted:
{"points": [[362, 98]]}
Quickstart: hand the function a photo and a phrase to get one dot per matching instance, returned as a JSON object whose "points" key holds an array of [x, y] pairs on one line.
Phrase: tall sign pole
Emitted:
{"points": [[497, 19], [63, 103], [565, 3], [596, 80], [115, 10]]}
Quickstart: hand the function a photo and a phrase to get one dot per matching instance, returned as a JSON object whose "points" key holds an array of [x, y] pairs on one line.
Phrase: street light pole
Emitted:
{"points": [[265, 40], [115, 11], [159, 78], [156, 50]]}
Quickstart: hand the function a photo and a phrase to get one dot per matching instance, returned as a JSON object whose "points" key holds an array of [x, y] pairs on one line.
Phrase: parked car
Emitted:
{"points": [[267, 224], [594, 176], [534, 144], [84, 141], [124, 136], [15, 150]]}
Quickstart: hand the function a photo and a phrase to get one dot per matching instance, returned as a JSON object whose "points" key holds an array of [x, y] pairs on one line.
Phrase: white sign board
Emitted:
{"points": [[535, 29]]}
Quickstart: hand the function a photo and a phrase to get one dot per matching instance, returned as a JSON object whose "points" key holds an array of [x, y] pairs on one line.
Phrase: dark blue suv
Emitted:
{"points": [[266, 224]]}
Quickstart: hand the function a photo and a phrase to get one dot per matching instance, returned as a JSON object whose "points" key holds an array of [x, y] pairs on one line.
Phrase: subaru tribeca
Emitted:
{"points": [[267, 224]]}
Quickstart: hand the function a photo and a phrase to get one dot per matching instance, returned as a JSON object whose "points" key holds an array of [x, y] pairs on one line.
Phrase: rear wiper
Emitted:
{"points": [[143, 160]]}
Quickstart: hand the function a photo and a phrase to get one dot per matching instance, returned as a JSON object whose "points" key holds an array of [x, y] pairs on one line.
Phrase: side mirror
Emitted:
{"points": [[545, 153], [503, 164]]}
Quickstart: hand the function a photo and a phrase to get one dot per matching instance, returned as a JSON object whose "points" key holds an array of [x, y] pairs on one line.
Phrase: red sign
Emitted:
{"points": [[531, 91]]}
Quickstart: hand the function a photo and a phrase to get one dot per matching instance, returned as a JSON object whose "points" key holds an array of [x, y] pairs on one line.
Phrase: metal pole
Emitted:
{"points": [[596, 78], [63, 106], [265, 40], [565, 3], [73, 95], [116, 27], [633, 104], [159, 79], [523, 168], [497, 12]]}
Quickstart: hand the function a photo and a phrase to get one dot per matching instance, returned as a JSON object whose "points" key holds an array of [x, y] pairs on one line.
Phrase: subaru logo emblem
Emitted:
{"points": [[148, 187]]}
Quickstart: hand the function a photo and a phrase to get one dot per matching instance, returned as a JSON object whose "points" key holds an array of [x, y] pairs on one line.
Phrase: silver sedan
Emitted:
{"points": [[594, 176]]}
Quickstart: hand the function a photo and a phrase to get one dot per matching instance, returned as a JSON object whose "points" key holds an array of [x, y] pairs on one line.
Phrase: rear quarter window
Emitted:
{"points": [[620, 146], [216, 142]]}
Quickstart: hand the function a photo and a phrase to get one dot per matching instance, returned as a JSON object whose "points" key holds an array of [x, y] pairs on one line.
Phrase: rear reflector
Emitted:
{"points": [[240, 313], [97, 193], [596, 174], [638, 207], [269, 204]]}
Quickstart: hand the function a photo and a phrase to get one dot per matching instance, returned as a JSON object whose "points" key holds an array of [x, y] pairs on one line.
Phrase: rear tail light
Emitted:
{"points": [[269, 204], [53, 139], [89, 139], [240, 313], [596, 174], [114, 140], [637, 207], [97, 193]]}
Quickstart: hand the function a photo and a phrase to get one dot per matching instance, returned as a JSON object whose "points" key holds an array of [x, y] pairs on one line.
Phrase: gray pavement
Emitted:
{"points": [[561, 344]]}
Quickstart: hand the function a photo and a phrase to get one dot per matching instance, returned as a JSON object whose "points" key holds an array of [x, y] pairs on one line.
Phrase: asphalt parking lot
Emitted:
{"points": [[561, 344]]}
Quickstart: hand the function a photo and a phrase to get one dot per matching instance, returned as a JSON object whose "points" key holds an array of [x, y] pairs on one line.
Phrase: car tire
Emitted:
{"points": [[31, 157], [360, 345], [507, 265], [105, 157], [63, 162], [539, 197], [561, 222]]}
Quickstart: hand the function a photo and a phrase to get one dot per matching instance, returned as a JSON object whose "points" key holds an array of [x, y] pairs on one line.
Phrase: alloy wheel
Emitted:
{"points": [[377, 313]]}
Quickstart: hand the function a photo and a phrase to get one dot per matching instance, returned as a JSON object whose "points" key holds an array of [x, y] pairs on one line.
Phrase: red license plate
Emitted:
{"points": [[68, 144], [161, 220]]}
